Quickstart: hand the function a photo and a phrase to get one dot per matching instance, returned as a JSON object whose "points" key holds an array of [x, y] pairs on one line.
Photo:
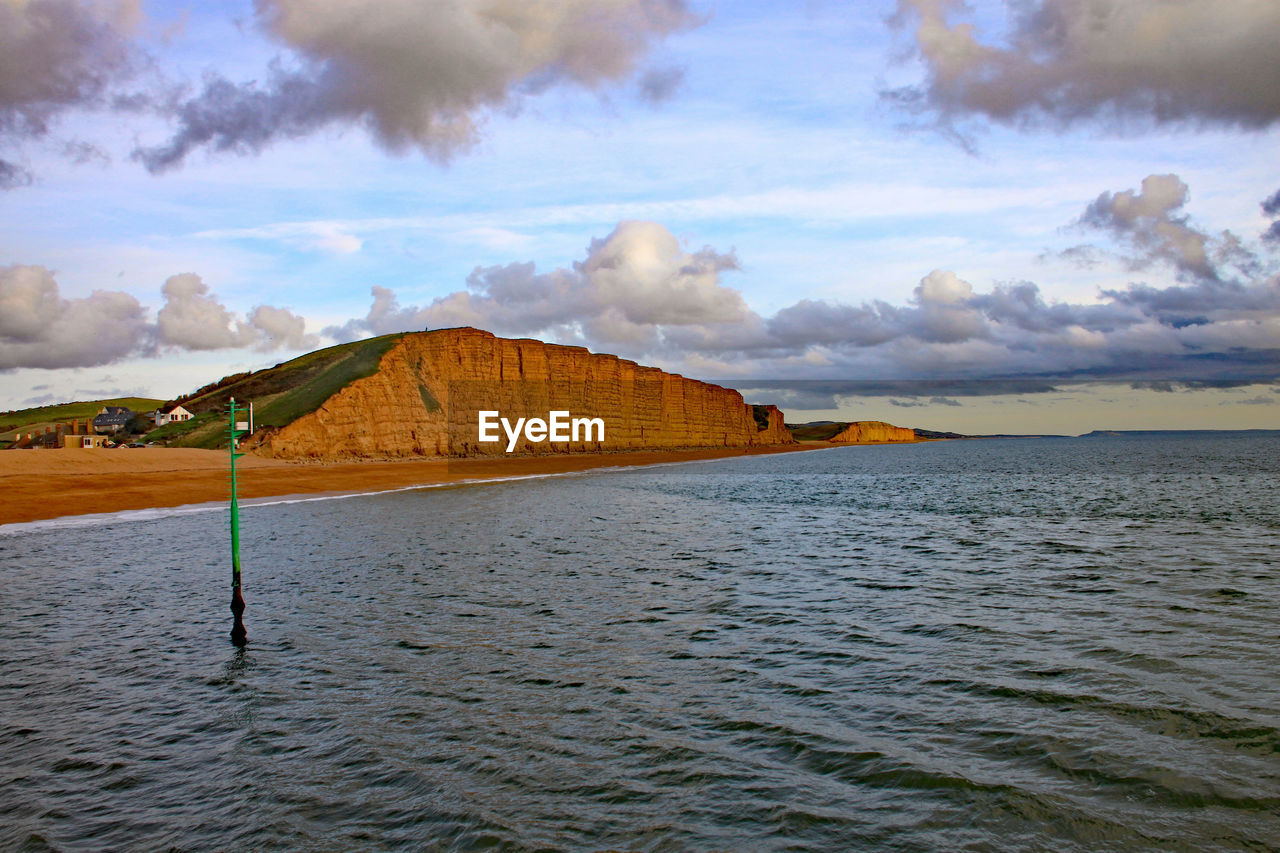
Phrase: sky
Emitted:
{"points": [[1025, 216]]}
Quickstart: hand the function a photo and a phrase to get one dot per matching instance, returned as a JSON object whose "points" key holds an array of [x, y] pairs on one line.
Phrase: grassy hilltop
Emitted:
{"points": [[35, 420], [280, 394]]}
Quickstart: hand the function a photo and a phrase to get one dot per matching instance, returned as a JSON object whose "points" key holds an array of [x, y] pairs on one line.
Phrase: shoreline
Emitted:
{"points": [[39, 485]]}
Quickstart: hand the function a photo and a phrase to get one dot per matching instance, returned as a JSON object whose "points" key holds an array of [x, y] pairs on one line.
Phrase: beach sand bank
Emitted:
{"points": [[43, 484]]}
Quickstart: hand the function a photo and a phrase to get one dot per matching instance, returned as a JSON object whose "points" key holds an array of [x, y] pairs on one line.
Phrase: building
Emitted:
{"points": [[84, 441], [172, 414], [112, 419]]}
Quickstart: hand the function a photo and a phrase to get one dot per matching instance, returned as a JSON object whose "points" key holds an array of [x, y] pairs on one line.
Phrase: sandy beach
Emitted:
{"points": [[42, 484]]}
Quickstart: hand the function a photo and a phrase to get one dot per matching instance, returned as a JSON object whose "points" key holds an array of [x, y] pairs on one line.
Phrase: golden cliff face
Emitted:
{"points": [[426, 396], [870, 432]]}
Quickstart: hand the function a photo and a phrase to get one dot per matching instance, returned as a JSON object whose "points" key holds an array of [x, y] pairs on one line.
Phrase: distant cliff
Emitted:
{"points": [[855, 432], [869, 432], [426, 394]]}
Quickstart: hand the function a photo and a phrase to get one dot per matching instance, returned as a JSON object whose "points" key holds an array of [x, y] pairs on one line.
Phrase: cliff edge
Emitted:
{"points": [[872, 432], [428, 391]]}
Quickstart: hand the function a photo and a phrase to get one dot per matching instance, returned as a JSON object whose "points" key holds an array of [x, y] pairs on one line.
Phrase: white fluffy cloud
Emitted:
{"points": [[39, 328], [1128, 62], [417, 75], [193, 319], [1153, 222], [280, 328], [632, 285]]}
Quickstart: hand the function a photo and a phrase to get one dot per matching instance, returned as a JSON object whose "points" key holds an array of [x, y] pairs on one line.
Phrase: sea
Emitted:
{"points": [[1038, 644]]}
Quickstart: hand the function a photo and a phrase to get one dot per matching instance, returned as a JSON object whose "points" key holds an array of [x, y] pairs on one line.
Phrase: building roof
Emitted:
{"points": [[114, 415]]}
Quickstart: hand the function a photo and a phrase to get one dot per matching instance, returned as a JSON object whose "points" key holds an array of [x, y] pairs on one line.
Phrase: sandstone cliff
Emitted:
{"points": [[426, 395], [869, 432]]}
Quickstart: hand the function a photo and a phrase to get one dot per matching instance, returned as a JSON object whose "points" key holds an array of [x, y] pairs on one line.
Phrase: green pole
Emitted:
{"points": [[238, 635]]}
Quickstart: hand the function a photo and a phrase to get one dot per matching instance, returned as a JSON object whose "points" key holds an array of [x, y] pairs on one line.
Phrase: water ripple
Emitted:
{"points": [[1002, 645]]}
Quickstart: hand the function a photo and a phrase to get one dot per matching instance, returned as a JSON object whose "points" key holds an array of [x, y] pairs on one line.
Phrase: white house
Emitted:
{"points": [[172, 414]]}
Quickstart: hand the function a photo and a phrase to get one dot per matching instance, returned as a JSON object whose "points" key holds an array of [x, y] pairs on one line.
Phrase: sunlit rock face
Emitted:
{"points": [[869, 432], [426, 397]]}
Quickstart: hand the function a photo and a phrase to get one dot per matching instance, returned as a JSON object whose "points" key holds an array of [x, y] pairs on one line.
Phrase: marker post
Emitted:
{"points": [[238, 635]]}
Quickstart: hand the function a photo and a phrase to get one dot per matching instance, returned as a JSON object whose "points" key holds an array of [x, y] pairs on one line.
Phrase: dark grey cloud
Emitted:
{"points": [[418, 76], [1200, 303], [816, 322], [40, 328], [12, 175], [1021, 305], [241, 118], [56, 55], [1128, 63], [1271, 207], [935, 390], [1162, 386], [660, 84], [1271, 204], [917, 403]]}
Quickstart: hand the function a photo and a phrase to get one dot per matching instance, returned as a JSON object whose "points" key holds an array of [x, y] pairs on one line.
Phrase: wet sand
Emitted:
{"points": [[42, 484]]}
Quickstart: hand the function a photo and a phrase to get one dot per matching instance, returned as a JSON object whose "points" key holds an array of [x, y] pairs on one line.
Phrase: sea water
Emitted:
{"points": [[1055, 644]]}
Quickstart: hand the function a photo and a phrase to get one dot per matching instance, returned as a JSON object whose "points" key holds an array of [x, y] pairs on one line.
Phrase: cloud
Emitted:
{"points": [[56, 55], [1127, 63], [193, 319], [1225, 279], [632, 284], [639, 293], [12, 175], [945, 314], [816, 394], [660, 84], [418, 76], [1271, 207], [914, 402], [281, 329], [1271, 204], [1161, 386], [39, 328], [1151, 220]]}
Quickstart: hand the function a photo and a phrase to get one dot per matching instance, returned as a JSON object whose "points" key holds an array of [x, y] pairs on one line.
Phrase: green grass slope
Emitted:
{"points": [[28, 420], [280, 394]]}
